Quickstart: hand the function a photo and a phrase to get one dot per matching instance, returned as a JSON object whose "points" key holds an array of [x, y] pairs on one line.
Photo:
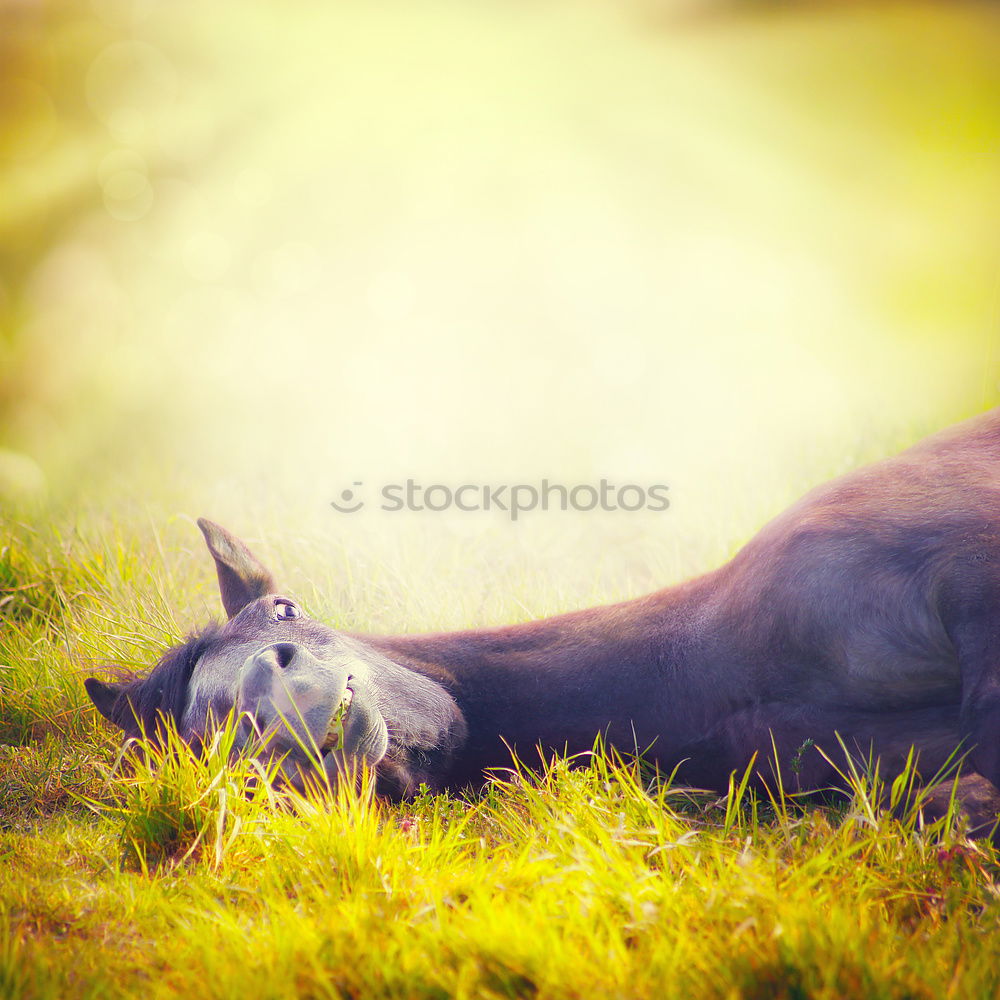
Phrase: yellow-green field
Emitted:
{"points": [[254, 254]]}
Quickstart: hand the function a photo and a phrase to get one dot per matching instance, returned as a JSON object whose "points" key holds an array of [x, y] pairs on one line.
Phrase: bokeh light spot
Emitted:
{"points": [[126, 81]]}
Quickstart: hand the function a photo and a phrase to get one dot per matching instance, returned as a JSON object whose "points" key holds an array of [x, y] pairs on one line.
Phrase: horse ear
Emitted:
{"points": [[104, 696], [114, 704], [242, 578]]}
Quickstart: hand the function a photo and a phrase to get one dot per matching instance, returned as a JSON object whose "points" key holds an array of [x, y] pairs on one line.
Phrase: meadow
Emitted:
{"points": [[252, 256], [175, 874]]}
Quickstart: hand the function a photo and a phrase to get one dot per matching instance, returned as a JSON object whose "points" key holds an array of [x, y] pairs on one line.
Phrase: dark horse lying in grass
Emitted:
{"points": [[867, 614]]}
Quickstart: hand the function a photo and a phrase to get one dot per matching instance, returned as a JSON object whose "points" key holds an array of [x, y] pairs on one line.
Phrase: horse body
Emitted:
{"points": [[865, 613]]}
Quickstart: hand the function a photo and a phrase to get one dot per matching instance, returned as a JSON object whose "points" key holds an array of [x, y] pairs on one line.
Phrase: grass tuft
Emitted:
{"points": [[174, 805]]}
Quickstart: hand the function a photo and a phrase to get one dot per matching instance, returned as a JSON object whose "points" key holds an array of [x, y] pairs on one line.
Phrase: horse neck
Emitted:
{"points": [[557, 682]]}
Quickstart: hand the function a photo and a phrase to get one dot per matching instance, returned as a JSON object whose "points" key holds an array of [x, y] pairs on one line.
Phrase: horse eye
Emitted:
{"points": [[285, 610]]}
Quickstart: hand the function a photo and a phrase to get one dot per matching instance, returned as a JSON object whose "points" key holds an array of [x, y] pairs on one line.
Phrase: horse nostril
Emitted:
{"points": [[284, 653]]}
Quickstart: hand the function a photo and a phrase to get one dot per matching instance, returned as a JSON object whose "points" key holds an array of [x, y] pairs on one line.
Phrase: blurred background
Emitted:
{"points": [[252, 253]]}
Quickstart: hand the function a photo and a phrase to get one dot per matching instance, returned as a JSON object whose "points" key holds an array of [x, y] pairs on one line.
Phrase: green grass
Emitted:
{"points": [[165, 875]]}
